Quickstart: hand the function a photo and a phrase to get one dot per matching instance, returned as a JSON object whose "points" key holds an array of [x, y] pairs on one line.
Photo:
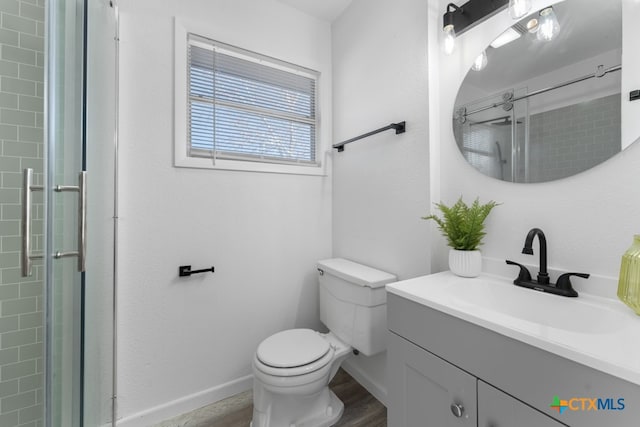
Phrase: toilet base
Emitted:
{"points": [[323, 410]]}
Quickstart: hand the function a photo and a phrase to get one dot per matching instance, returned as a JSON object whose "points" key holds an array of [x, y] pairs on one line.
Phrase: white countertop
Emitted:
{"points": [[598, 332]]}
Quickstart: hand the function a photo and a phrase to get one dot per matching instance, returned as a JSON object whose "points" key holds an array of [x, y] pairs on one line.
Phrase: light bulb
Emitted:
{"points": [[519, 8], [548, 26], [449, 39], [480, 62]]}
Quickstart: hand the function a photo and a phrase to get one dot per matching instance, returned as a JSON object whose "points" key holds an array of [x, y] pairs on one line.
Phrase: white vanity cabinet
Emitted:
{"points": [[444, 371]]}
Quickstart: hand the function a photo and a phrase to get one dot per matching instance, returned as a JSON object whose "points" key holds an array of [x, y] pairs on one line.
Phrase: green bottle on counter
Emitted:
{"points": [[629, 282]]}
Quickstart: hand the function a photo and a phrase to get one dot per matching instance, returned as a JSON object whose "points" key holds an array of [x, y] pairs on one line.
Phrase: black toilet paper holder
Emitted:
{"points": [[186, 271]]}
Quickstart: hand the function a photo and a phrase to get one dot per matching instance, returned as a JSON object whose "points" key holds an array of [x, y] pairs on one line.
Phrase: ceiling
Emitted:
{"points": [[327, 10]]}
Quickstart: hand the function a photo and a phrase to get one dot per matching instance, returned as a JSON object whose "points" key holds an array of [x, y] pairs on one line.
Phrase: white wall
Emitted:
{"points": [[187, 342], [630, 71], [381, 183], [589, 219]]}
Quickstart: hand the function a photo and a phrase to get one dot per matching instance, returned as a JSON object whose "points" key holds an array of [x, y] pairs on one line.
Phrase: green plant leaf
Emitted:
{"points": [[462, 225]]}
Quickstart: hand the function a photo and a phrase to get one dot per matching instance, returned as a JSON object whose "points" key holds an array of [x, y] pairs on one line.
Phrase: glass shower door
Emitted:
{"points": [[64, 280], [78, 271], [100, 157]]}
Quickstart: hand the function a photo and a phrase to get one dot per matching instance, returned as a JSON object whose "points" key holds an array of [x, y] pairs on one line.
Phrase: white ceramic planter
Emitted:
{"points": [[465, 263]]}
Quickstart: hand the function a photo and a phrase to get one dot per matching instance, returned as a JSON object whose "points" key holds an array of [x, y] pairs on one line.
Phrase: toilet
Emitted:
{"points": [[292, 368]]}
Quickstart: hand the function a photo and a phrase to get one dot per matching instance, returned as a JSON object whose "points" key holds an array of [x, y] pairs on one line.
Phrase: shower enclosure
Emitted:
{"points": [[57, 130]]}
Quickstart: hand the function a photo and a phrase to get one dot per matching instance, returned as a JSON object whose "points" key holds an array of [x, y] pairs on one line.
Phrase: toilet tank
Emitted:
{"points": [[353, 303]]}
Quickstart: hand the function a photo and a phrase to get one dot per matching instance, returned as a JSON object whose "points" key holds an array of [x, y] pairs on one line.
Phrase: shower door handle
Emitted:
{"points": [[81, 188], [27, 189]]}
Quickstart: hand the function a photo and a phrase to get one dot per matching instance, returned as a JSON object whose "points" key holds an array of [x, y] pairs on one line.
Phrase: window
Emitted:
{"points": [[244, 109]]}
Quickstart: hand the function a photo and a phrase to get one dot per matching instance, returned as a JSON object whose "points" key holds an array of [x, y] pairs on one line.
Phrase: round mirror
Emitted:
{"points": [[542, 102]]}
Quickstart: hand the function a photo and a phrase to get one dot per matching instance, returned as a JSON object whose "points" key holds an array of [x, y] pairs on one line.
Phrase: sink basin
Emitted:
{"points": [[539, 309]]}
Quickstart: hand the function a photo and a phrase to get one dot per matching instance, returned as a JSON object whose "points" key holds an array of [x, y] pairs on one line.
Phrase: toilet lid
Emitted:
{"points": [[291, 348]]}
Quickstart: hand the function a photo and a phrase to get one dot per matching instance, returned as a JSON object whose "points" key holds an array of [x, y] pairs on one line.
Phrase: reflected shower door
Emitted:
{"points": [[485, 137], [491, 133]]}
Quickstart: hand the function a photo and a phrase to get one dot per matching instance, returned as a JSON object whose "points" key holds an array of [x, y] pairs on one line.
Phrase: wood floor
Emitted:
{"points": [[360, 409]]}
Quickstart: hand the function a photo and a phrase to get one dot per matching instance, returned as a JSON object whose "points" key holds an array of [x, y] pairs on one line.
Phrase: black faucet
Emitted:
{"points": [[563, 287], [543, 276]]}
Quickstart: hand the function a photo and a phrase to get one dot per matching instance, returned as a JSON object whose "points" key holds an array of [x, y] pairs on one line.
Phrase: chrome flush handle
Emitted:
{"points": [[457, 410]]}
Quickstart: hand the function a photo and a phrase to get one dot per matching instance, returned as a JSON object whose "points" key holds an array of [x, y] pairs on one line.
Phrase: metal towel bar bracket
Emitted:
{"points": [[185, 271]]}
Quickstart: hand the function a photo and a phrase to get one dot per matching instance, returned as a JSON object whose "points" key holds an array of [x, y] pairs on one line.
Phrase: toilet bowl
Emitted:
{"points": [[295, 392], [292, 368]]}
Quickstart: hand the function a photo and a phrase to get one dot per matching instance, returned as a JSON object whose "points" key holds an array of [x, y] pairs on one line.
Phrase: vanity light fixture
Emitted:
{"points": [[548, 26], [481, 62], [458, 19]]}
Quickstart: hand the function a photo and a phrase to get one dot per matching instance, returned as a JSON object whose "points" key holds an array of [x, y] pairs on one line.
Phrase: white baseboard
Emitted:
{"points": [[379, 391], [185, 404]]}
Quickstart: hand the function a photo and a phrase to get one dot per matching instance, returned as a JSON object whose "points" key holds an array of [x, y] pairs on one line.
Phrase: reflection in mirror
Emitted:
{"points": [[544, 110]]}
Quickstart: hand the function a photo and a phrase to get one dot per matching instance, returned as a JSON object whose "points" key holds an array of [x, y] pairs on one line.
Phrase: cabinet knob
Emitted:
{"points": [[457, 409]]}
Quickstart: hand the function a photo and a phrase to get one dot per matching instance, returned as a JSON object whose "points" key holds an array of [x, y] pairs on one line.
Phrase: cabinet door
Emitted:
{"points": [[426, 391], [497, 409]]}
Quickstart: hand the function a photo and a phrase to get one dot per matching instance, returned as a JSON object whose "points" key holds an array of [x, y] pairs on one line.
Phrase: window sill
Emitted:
{"points": [[247, 166]]}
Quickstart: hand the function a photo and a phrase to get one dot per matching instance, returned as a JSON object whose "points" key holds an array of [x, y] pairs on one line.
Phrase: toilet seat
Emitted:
{"points": [[293, 352]]}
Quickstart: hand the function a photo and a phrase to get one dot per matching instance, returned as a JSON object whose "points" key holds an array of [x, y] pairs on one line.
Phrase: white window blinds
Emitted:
{"points": [[246, 106]]}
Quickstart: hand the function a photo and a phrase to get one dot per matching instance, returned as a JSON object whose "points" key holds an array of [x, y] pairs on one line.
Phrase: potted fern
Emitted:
{"points": [[463, 227]]}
